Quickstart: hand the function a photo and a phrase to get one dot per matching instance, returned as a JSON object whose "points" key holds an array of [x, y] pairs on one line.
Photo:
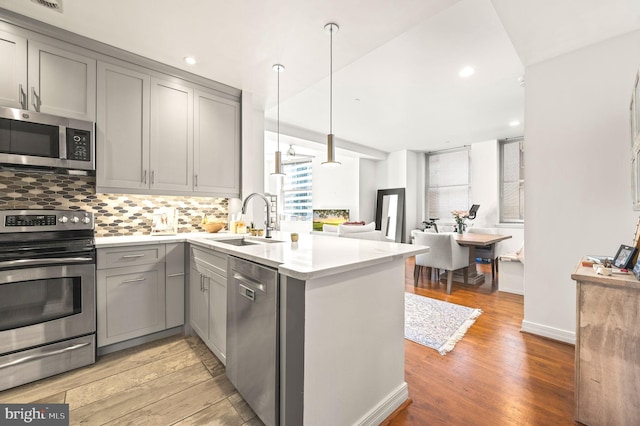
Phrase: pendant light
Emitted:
{"points": [[331, 149], [278, 160]]}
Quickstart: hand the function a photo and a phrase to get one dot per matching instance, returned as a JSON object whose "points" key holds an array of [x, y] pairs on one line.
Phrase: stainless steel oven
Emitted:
{"points": [[47, 293]]}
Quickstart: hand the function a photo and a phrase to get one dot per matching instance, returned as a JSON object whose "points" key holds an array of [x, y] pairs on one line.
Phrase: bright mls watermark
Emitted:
{"points": [[34, 414]]}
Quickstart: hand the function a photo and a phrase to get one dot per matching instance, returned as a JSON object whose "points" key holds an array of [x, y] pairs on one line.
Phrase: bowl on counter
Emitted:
{"points": [[213, 226]]}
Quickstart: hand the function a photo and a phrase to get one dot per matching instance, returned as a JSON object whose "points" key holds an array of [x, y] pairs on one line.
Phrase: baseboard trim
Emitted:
{"points": [[387, 407], [139, 340], [397, 412], [512, 291], [549, 332]]}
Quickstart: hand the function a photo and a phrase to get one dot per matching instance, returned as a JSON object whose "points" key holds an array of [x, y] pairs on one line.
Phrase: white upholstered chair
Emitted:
{"points": [[445, 254]]}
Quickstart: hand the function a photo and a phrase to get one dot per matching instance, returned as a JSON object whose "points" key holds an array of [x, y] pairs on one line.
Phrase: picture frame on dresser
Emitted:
{"points": [[624, 257]]}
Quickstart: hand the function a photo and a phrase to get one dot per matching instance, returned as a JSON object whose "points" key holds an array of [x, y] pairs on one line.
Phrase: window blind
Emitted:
{"points": [[512, 181], [448, 186]]}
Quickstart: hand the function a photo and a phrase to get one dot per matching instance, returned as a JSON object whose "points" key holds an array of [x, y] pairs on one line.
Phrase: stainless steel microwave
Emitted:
{"points": [[34, 139]]}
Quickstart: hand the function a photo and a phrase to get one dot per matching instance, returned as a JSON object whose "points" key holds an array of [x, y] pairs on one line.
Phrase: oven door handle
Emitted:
{"points": [[43, 355], [46, 261]]}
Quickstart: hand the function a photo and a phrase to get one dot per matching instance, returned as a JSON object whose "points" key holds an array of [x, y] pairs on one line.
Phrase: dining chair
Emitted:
{"points": [[445, 253]]}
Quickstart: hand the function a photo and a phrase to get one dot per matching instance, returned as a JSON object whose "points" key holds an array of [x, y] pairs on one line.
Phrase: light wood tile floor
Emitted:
{"points": [[173, 381]]}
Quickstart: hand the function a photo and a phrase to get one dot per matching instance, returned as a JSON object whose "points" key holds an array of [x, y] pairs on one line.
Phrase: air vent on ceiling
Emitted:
{"points": [[50, 4]]}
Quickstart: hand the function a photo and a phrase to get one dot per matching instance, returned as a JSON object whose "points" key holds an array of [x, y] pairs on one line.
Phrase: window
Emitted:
{"points": [[512, 181], [296, 191], [448, 185]]}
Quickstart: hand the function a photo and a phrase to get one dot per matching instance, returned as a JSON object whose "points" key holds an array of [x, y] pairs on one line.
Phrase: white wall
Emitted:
{"points": [[577, 173], [404, 169], [367, 191], [253, 155], [485, 183], [337, 187]]}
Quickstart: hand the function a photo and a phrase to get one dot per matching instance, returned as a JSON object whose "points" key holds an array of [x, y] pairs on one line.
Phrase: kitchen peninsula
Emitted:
{"points": [[341, 321]]}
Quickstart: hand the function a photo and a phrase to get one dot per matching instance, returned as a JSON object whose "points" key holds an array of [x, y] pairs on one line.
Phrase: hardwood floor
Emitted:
{"points": [[495, 375]]}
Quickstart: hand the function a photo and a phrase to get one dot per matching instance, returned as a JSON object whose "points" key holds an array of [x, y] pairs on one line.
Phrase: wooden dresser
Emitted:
{"points": [[607, 365]]}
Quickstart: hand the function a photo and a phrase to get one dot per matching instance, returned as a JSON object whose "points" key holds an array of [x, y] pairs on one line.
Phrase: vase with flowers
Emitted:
{"points": [[460, 216]]}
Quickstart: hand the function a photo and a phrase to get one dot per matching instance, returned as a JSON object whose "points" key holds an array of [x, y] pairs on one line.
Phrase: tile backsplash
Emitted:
{"points": [[115, 214]]}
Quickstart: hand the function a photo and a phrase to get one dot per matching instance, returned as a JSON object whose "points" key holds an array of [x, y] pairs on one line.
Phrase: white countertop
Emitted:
{"points": [[311, 257]]}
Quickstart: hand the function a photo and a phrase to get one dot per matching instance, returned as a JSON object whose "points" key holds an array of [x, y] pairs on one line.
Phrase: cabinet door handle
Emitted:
{"points": [[153, 177], [22, 97], [35, 99], [201, 282], [132, 256], [144, 177], [179, 274], [133, 280], [196, 180]]}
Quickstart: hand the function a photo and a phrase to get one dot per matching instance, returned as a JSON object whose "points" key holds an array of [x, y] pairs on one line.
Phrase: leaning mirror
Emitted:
{"points": [[390, 214]]}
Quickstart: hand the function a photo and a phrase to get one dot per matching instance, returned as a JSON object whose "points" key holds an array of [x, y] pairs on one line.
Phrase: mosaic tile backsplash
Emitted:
{"points": [[115, 214]]}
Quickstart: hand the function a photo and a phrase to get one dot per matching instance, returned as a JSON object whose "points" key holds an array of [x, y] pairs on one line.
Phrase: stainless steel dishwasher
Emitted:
{"points": [[253, 336]]}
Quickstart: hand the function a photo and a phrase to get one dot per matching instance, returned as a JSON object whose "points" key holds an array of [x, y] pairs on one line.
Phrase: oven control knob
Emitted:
{"points": [[63, 219], [75, 219], [86, 219]]}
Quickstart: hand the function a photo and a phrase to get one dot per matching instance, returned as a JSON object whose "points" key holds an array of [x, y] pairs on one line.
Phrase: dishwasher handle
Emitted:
{"points": [[247, 292], [248, 281]]}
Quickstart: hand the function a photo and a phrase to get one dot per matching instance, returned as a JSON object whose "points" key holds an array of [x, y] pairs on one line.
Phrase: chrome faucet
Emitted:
{"points": [[268, 203]]}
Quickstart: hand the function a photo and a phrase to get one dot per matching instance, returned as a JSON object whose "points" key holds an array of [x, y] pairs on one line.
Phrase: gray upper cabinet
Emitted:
{"points": [[158, 131], [61, 83], [44, 78], [122, 128], [162, 136], [13, 70], [171, 160], [216, 145]]}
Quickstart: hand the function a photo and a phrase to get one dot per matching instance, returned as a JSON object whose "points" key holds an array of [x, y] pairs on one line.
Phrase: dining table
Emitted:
{"points": [[473, 240]]}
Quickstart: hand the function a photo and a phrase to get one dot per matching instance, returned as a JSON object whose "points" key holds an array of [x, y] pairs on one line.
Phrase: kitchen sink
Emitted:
{"points": [[244, 241], [237, 242]]}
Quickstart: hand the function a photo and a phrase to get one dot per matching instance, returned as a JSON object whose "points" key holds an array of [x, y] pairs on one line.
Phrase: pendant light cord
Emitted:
{"points": [[278, 110], [331, 81]]}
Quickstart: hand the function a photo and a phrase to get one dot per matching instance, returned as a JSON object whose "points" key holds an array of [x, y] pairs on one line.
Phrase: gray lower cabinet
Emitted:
{"points": [[140, 290], [208, 299], [131, 302], [175, 284]]}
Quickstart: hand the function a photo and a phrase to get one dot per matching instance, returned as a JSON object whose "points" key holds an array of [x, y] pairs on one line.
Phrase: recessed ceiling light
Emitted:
{"points": [[190, 60], [514, 123], [466, 72]]}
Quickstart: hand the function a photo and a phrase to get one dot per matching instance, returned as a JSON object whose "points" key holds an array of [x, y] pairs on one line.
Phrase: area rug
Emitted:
{"points": [[436, 324]]}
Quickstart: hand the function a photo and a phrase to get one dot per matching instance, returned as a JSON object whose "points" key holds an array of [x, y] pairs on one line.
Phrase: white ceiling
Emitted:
{"points": [[396, 63]]}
